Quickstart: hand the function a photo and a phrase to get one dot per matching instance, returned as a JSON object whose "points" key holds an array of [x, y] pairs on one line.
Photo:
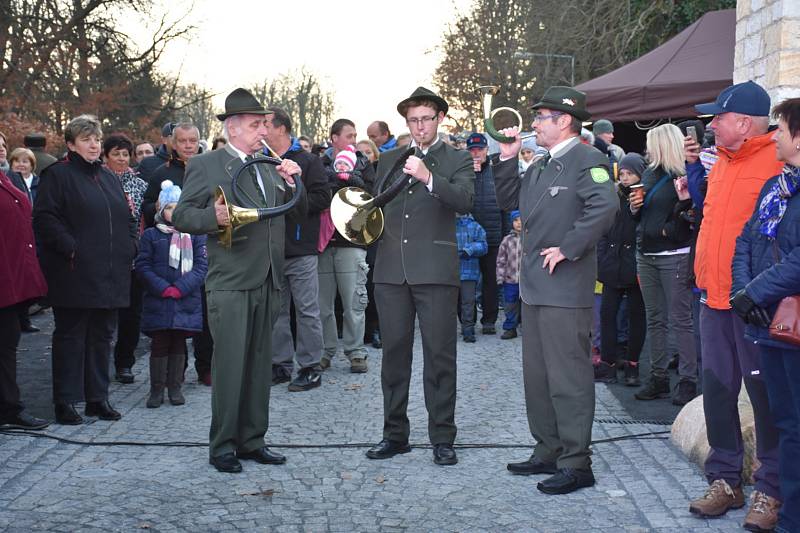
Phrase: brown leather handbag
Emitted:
{"points": [[785, 325]]}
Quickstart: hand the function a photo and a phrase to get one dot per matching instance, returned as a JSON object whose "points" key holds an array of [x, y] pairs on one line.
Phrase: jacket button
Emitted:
{"points": [[406, 216], [526, 230], [410, 192], [405, 241], [30, 246]]}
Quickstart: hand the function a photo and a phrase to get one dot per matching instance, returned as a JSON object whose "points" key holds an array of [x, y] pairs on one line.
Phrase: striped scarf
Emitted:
{"points": [[180, 249], [773, 205]]}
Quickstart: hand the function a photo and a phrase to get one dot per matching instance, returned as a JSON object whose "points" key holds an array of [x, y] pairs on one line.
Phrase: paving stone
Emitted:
{"points": [[643, 485]]}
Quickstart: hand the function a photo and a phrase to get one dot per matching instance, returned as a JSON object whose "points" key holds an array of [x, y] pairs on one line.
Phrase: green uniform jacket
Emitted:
{"points": [[257, 247], [570, 203], [418, 245]]}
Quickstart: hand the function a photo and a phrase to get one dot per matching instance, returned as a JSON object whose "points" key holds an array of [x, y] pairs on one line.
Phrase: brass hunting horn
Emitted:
{"points": [[241, 216], [508, 116], [357, 215]]}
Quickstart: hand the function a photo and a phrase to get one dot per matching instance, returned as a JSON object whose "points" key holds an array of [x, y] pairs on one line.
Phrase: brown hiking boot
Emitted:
{"points": [[718, 500], [763, 513], [358, 365]]}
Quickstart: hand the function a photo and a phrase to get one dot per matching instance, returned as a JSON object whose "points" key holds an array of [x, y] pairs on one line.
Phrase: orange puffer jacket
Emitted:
{"points": [[733, 187]]}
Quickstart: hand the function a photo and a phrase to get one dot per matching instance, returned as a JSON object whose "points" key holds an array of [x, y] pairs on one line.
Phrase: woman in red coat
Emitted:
{"points": [[21, 280]]}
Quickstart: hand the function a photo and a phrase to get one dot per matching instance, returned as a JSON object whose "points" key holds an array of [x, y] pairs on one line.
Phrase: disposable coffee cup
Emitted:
{"points": [[638, 190]]}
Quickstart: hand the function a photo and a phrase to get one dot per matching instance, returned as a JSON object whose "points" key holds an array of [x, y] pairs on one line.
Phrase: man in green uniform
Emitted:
{"points": [[567, 202], [242, 283], [417, 275]]}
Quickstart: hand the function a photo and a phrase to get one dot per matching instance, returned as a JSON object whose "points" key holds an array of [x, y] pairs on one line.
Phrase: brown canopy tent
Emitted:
{"points": [[691, 68]]}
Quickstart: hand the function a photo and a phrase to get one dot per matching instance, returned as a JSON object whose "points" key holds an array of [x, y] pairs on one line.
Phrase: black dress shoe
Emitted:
{"points": [[280, 375], [262, 455], [488, 329], [567, 480], [124, 375], [30, 328], [102, 410], [444, 454], [66, 415], [307, 379], [227, 463], [386, 449], [23, 421], [532, 466], [376, 340]]}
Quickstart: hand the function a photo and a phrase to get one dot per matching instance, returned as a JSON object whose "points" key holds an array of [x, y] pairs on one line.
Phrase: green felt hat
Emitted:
{"points": [[566, 99], [242, 102], [421, 93]]}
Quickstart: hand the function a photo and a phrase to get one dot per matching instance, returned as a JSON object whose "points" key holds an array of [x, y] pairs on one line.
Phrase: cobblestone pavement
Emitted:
{"points": [[643, 484]]}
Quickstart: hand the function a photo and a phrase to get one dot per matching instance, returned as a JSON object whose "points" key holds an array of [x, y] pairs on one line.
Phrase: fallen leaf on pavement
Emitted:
{"points": [[267, 493], [380, 479], [353, 386]]}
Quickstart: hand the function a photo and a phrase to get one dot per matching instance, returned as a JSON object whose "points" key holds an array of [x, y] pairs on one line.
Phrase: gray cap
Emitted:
{"points": [[602, 126]]}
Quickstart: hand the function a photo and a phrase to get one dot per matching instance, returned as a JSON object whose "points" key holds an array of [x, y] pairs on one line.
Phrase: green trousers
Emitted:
{"points": [[241, 369], [559, 383]]}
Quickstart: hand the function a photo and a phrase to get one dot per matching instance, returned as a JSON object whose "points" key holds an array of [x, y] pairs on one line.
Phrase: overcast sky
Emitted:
{"points": [[370, 54]]}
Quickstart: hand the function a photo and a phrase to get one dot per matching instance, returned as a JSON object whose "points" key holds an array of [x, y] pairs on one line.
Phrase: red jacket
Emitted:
{"points": [[21, 278], [733, 187]]}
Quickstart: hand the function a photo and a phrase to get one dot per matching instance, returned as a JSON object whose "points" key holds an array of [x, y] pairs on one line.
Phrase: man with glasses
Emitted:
{"points": [[567, 202], [417, 275]]}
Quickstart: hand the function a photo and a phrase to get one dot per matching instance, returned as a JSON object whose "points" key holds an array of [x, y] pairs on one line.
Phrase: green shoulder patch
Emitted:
{"points": [[599, 175]]}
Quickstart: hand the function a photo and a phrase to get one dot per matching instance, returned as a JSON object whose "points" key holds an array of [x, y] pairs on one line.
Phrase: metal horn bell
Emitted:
{"points": [[357, 216], [509, 115], [241, 216]]}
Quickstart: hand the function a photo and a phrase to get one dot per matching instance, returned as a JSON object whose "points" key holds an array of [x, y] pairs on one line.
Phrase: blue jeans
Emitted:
{"points": [[782, 378], [511, 305]]}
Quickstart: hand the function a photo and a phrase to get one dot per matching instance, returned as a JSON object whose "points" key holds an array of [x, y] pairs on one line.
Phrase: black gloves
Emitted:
{"points": [[748, 310]]}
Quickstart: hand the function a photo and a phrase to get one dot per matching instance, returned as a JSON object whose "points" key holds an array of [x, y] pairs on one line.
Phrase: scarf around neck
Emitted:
{"points": [[181, 253], [773, 205]]}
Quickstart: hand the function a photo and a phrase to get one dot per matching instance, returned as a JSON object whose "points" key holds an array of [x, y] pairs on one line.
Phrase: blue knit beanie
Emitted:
{"points": [[513, 215], [170, 194]]}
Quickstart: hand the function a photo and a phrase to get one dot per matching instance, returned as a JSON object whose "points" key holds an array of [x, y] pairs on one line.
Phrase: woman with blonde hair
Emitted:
{"points": [[23, 165], [369, 149], [662, 260]]}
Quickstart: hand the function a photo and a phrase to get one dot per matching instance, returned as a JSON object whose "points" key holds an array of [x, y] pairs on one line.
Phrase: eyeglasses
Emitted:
{"points": [[539, 117], [421, 121]]}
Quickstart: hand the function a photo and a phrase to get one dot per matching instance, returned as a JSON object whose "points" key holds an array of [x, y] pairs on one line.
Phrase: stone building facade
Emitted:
{"points": [[768, 46]]}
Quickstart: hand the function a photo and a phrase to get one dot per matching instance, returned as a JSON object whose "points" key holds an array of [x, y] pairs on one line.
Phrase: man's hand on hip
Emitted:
{"points": [[552, 257]]}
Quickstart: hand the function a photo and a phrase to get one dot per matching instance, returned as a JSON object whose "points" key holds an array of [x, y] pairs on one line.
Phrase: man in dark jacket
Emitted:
{"points": [[300, 265], [185, 142], [149, 164], [343, 264], [486, 213], [566, 202], [379, 133]]}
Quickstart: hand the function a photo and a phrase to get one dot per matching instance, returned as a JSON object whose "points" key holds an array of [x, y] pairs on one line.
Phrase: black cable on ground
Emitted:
{"points": [[650, 435]]}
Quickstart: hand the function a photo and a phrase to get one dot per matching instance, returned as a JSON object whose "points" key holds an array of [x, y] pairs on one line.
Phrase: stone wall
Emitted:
{"points": [[768, 46]]}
